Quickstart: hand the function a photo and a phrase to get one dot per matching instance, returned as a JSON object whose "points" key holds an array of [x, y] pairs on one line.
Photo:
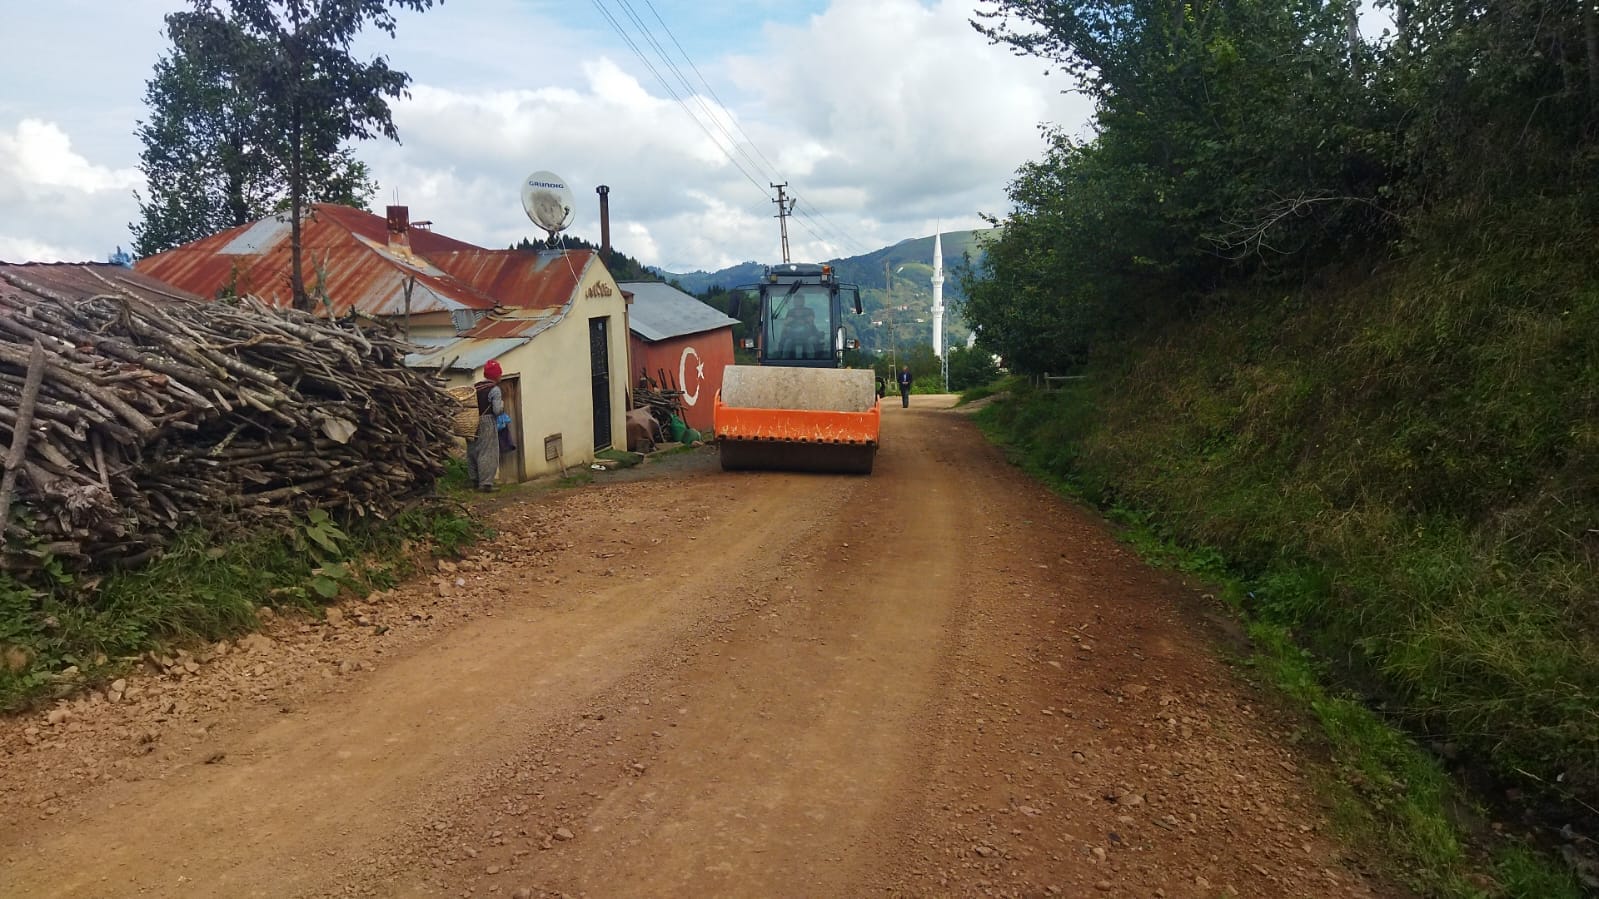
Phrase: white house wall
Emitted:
{"points": [[557, 392]]}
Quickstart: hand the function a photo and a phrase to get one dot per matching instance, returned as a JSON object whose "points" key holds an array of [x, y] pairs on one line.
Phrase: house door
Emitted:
{"points": [[513, 460], [600, 368]]}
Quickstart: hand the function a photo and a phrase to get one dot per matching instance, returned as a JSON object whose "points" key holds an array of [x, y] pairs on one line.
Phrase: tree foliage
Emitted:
{"points": [[970, 368], [1236, 140], [621, 266], [208, 164], [1339, 301], [253, 111]]}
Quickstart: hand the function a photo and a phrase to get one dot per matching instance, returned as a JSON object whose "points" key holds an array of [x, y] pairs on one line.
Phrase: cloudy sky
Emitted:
{"points": [[888, 118]]}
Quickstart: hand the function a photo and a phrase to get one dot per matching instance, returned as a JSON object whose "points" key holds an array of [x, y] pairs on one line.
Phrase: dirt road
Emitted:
{"points": [[937, 680]]}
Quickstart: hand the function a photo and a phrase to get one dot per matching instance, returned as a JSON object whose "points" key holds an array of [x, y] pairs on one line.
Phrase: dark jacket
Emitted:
{"points": [[904, 379], [490, 400]]}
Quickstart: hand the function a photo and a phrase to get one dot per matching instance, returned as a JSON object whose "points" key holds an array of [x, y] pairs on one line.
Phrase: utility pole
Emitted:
{"points": [[785, 207]]}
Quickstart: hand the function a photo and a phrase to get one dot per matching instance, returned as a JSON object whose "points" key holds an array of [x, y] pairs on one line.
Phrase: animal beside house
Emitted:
{"points": [[643, 431]]}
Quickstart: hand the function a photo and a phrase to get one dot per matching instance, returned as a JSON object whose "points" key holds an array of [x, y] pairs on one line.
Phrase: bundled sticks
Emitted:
{"points": [[129, 417], [662, 398]]}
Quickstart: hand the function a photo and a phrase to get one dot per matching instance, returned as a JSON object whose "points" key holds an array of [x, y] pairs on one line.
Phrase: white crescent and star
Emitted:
{"points": [[699, 374]]}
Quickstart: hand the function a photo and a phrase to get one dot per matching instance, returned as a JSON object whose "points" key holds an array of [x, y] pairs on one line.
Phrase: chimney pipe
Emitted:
{"points": [[399, 229], [605, 218]]}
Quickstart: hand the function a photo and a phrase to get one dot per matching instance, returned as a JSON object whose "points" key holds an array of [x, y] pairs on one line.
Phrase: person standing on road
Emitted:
{"points": [[483, 452], [905, 386]]}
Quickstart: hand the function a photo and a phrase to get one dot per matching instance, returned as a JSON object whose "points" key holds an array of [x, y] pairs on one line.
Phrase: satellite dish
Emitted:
{"points": [[547, 201]]}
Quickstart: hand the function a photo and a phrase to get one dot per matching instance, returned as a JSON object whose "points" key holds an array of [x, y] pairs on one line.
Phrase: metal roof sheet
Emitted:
{"points": [[660, 311], [258, 238], [511, 322], [347, 249], [433, 341], [538, 279], [464, 354], [81, 280]]}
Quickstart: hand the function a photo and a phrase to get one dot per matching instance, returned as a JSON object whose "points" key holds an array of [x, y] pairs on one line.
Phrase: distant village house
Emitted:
{"points": [[556, 320]]}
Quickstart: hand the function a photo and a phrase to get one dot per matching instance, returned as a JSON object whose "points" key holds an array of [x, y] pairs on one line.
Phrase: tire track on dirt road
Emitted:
{"points": [[800, 733], [1092, 741]]}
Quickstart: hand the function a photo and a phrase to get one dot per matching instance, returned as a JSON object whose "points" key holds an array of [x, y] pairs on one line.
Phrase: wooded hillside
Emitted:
{"points": [[896, 292]]}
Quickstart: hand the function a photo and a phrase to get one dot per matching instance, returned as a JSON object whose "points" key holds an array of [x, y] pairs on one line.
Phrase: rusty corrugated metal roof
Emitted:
{"points": [[463, 354], [349, 250], [518, 322], [81, 280], [526, 278]]}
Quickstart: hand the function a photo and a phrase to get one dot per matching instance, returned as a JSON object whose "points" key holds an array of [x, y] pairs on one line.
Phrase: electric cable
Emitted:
{"points": [[621, 32]]}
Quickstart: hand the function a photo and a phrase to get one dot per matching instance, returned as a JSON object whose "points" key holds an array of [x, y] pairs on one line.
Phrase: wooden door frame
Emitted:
{"points": [[511, 387]]}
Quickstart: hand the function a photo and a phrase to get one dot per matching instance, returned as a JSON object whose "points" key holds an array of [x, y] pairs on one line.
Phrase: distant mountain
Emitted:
{"points": [[867, 270], [698, 283], [896, 288]]}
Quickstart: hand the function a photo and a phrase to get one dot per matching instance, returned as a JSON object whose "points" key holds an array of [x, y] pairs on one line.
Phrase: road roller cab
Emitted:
{"points": [[799, 409]]}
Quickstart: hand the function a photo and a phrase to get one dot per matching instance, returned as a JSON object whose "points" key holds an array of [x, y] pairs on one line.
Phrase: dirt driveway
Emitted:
{"points": [[935, 681]]}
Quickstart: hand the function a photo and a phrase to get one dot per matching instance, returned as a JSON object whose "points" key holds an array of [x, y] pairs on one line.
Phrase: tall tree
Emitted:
{"points": [[208, 163], [1229, 138], [292, 62]]}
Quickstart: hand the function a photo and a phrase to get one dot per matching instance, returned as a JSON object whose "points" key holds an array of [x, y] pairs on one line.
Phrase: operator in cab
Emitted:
{"points": [[800, 338]]}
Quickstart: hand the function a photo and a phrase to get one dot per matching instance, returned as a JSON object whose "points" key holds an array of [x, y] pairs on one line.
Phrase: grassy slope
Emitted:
{"points": [[1404, 468], [57, 642]]}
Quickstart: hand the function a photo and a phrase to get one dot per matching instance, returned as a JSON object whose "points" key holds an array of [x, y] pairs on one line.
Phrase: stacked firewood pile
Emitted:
{"points": [[125, 419], [662, 398]]}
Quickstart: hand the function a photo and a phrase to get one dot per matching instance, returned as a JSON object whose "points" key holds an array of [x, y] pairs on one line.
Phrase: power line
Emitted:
{"points": [[806, 216], [689, 89], [834, 230], [844, 236], [711, 90], [621, 32]]}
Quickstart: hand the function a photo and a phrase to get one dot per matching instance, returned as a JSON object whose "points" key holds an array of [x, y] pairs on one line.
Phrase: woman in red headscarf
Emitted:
{"points": [[483, 451]]}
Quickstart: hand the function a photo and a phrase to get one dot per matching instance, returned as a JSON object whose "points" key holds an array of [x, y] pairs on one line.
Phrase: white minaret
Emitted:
{"points": [[938, 295]]}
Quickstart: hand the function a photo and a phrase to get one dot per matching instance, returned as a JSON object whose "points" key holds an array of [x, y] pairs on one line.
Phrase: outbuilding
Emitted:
{"points": [[556, 320], [679, 343]]}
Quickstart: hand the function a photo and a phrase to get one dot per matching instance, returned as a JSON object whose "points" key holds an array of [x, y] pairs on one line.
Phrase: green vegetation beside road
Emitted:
{"points": [[58, 640], [1337, 303], [1472, 628]]}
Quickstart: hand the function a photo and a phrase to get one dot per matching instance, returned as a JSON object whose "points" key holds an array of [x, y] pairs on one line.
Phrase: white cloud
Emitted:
{"points": [[886, 117], [40, 154], [15, 248], [59, 206]]}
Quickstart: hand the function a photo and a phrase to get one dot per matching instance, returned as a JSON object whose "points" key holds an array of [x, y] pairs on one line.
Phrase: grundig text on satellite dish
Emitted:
{"points": [[547, 201]]}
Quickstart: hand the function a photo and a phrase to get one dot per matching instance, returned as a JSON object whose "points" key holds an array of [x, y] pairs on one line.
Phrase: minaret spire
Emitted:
{"points": [[938, 295]]}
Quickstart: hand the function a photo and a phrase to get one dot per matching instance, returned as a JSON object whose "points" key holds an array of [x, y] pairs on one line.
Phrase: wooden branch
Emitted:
{"points": [[19, 435], [147, 416]]}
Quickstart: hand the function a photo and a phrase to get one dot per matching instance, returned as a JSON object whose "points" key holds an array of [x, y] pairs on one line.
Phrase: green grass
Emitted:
{"points": [[973, 394], [623, 458], [1168, 481], [454, 479], [1404, 465], [679, 449], [203, 589]]}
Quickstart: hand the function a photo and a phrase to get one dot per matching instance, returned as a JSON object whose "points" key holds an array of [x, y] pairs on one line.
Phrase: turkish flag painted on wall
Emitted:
{"points": [[692, 363]]}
